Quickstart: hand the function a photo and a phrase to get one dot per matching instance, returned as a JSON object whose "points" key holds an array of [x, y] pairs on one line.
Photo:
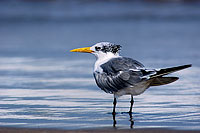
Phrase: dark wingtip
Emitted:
{"points": [[170, 70], [182, 67], [189, 65], [176, 78]]}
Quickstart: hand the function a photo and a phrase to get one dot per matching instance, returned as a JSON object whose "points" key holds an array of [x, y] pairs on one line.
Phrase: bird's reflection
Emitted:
{"points": [[131, 120], [130, 116], [114, 120]]}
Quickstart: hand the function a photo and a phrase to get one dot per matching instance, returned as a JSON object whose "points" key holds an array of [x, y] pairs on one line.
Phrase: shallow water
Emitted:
{"points": [[64, 95], [43, 85]]}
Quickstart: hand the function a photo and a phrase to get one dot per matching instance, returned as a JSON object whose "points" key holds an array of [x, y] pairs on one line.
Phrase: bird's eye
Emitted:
{"points": [[97, 48]]}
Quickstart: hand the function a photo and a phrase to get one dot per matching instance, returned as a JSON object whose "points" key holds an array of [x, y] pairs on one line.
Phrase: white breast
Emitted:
{"points": [[103, 58]]}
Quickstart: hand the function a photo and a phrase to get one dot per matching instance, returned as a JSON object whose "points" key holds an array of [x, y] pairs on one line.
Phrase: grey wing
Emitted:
{"points": [[119, 73], [113, 83], [123, 63]]}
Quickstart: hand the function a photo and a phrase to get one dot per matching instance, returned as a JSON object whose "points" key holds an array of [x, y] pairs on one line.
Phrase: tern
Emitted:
{"points": [[122, 75]]}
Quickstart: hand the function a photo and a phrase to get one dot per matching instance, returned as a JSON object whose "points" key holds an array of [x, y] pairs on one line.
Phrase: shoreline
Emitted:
{"points": [[43, 130]]}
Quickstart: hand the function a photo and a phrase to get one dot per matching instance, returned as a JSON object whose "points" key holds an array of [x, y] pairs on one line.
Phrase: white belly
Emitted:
{"points": [[134, 90]]}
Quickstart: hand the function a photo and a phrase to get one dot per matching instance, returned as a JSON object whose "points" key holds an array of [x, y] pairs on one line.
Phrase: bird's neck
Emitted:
{"points": [[103, 58]]}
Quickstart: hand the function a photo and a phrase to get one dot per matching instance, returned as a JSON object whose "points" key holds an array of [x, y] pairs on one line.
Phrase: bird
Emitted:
{"points": [[120, 75]]}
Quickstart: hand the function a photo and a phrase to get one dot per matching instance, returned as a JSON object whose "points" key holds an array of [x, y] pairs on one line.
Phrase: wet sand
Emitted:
{"points": [[28, 130]]}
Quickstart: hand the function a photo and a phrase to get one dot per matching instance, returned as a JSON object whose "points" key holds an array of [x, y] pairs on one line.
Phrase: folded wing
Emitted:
{"points": [[119, 73]]}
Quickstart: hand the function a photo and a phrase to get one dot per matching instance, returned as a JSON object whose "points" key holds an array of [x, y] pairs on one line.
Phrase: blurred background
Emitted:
{"points": [[42, 84], [50, 28]]}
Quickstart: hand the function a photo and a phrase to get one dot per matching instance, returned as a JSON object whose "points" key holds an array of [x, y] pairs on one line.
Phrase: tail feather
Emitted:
{"points": [[163, 80], [166, 71]]}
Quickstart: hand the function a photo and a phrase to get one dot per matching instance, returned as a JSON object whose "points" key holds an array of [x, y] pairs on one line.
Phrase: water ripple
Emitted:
{"points": [[73, 100]]}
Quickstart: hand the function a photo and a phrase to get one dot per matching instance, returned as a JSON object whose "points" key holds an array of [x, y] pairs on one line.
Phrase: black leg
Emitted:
{"points": [[114, 105], [132, 101]]}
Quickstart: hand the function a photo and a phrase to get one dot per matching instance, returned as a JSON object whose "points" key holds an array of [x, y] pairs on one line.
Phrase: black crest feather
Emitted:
{"points": [[110, 48]]}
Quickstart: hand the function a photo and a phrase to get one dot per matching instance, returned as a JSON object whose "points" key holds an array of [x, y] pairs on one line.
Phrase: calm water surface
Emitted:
{"points": [[43, 85]]}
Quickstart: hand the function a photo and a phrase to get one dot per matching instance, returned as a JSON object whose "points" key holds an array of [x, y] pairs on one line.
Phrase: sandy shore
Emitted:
{"points": [[24, 130]]}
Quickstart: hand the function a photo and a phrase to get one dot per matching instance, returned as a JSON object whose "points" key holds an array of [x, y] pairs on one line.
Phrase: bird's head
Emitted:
{"points": [[101, 49]]}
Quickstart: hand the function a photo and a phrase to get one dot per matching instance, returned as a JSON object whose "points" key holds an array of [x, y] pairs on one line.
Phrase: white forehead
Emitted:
{"points": [[102, 44]]}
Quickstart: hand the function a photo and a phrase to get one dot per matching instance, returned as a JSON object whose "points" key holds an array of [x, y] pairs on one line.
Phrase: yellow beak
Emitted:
{"points": [[84, 50]]}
